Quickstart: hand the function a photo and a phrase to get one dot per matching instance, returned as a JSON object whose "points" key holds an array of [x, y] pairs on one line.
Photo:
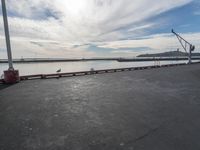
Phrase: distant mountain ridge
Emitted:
{"points": [[168, 54]]}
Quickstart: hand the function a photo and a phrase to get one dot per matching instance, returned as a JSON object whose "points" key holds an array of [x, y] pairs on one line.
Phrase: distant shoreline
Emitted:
{"points": [[136, 59], [166, 56], [46, 60]]}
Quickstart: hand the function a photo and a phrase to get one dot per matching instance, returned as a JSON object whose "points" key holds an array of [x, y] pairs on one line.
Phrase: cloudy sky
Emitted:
{"points": [[98, 28]]}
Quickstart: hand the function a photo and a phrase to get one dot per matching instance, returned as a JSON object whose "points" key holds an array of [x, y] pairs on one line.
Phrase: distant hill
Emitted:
{"points": [[168, 54]]}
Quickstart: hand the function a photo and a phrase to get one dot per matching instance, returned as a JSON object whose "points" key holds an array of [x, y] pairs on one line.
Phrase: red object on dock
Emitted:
{"points": [[11, 76]]}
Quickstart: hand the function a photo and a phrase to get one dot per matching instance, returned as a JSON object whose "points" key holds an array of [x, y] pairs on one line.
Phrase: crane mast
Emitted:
{"points": [[186, 45]]}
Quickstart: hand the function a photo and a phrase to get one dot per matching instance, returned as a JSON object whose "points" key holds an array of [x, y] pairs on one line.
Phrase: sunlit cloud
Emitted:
{"points": [[157, 43], [55, 28]]}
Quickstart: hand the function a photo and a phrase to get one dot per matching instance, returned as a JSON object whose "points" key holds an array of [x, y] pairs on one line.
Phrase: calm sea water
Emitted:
{"points": [[46, 68]]}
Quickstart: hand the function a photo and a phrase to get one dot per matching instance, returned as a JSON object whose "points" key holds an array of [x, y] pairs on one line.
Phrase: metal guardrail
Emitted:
{"points": [[83, 73], [157, 59]]}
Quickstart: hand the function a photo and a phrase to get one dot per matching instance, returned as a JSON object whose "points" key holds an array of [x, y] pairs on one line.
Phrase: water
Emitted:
{"points": [[47, 68]]}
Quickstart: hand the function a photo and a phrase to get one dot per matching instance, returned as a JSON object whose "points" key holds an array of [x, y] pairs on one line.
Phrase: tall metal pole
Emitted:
{"points": [[7, 35]]}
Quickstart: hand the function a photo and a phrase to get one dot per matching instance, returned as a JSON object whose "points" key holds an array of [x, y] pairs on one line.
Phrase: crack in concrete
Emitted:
{"points": [[146, 134]]}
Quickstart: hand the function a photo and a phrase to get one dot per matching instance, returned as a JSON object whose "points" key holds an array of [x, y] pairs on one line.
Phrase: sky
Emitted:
{"points": [[98, 28]]}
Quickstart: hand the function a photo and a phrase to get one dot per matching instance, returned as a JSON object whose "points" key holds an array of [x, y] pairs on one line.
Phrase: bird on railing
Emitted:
{"points": [[92, 70], [58, 71]]}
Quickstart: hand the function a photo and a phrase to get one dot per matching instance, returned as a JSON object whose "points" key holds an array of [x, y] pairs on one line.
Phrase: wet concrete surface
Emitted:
{"points": [[157, 109]]}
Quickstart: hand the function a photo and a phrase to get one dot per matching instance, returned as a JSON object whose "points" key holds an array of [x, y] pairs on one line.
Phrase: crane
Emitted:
{"points": [[185, 44]]}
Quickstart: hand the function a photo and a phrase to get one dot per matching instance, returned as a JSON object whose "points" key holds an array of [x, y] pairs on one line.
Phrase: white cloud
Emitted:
{"points": [[141, 27], [79, 22], [197, 13], [155, 43], [29, 47]]}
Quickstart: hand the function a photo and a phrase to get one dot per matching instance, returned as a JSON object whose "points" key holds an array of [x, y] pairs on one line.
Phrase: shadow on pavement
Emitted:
{"points": [[4, 86]]}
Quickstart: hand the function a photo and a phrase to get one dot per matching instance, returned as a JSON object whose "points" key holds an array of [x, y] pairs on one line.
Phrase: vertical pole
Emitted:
{"points": [[7, 35], [190, 54], [189, 58]]}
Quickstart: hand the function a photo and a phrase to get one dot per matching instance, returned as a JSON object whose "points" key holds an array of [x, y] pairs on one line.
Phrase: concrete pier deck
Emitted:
{"points": [[156, 109]]}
